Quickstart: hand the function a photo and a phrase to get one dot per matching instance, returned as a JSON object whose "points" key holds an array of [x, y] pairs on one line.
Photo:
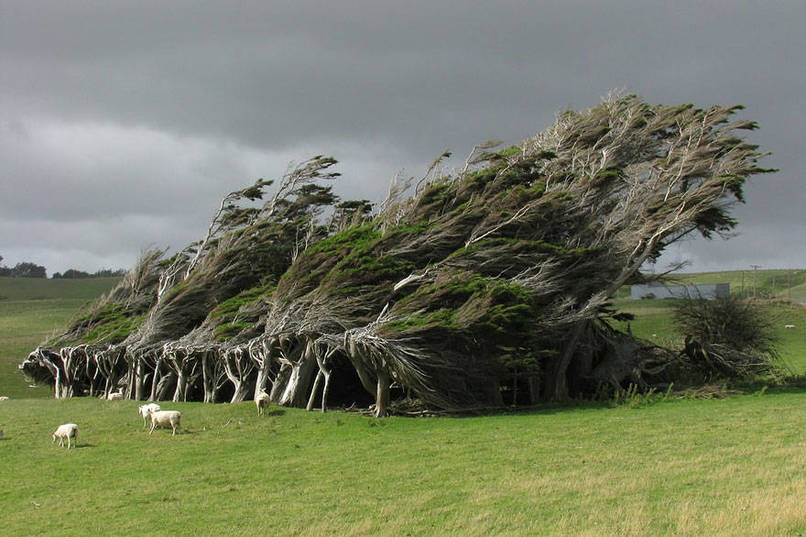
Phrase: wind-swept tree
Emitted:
{"points": [[483, 287]]}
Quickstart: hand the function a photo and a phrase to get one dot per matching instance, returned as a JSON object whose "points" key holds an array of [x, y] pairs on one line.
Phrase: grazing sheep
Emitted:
{"points": [[68, 431], [117, 396], [261, 401], [145, 410], [164, 418], [3, 398], [789, 326]]}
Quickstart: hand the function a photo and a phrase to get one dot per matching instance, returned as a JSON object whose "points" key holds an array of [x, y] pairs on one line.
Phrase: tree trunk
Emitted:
{"points": [[325, 390], [138, 380], [262, 377], [368, 381], [241, 390], [557, 390], [280, 382], [155, 381], [57, 384], [209, 378], [315, 388], [164, 387], [534, 389], [299, 380], [382, 394], [181, 386]]}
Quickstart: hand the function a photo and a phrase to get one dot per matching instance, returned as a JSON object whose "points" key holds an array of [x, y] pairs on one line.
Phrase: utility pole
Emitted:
{"points": [[755, 289]]}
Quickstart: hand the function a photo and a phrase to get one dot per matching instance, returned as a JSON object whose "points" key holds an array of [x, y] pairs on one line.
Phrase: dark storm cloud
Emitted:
{"points": [[158, 108]]}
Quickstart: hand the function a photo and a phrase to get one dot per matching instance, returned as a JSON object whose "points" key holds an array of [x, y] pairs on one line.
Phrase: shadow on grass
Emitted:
{"points": [[275, 412]]}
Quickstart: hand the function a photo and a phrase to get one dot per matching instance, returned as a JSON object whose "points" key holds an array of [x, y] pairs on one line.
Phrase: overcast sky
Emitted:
{"points": [[122, 124]]}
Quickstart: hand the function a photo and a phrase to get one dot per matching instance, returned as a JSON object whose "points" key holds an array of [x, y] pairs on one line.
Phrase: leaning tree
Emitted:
{"points": [[486, 286]]}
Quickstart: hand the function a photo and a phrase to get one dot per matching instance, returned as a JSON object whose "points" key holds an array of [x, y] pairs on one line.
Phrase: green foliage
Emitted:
{"points": [[510, 151], [465, 304], [238, 313], [228, 330], [361, 237], [231, 306], [309, 270], [111, 324]]}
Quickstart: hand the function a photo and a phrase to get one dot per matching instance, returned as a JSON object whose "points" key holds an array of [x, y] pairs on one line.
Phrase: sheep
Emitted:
{"points": [[117, 396], [145, 410], [68, 431], [163, 418], [261, 401], [3, 398], [789, 326]]}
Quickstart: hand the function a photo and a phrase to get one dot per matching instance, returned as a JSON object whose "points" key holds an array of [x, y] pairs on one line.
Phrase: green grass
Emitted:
{"points": [[32, 310], [26, 289], [796, 293], [686, 467]]}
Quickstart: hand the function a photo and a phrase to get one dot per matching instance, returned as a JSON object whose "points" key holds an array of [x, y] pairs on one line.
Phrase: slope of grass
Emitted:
{"points": [[688, 467], [796, 293], [654, 318], [31, 310], [14, 289], [749, 283]]}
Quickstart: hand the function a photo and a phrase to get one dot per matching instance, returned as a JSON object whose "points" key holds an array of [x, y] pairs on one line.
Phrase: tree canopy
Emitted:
{"points": [[486, 286]]}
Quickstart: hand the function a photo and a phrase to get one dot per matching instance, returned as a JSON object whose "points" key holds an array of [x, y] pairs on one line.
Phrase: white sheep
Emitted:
{"points": [[261, 402], [789, 326], [3, 398], [116, 396], [164, 418], [145, 410], [68, 431]]}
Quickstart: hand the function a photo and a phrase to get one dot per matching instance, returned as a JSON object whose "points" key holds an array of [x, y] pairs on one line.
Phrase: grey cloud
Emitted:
{"points": [[158, 108]]}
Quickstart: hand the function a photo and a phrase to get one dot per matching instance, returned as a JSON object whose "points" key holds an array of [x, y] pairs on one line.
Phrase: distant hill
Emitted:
{"points": [[41, 288], [783, 283]]}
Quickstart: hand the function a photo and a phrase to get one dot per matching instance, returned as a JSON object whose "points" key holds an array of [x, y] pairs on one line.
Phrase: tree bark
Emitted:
{"points": [[315, 389], [558, 387], [382, 394], [325, 390], [156, 380], [138, 379]]}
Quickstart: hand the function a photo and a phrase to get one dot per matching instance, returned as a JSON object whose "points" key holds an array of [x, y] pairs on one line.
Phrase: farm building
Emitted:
{"points": [[660, 290]]}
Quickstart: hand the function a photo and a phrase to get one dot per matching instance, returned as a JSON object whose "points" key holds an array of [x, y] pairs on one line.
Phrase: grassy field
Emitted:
{"points": [[663, 467], [675, 468], [31, 310], [762, 283]]}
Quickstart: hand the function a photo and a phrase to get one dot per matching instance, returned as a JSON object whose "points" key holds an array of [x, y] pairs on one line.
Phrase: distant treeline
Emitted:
{"points": [[24, 270], [75, 274], [27, 269]]}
